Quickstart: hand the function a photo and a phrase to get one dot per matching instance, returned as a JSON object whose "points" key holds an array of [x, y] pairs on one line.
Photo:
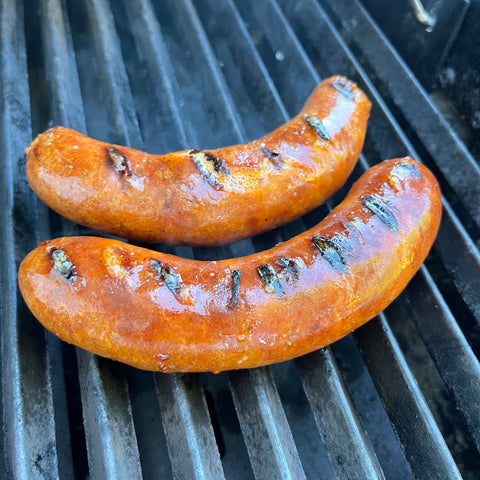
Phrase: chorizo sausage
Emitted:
{"points": [[160, 312], [205, 197]]}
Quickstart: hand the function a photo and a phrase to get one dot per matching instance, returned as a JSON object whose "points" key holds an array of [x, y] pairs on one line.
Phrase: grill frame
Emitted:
{"points": [[253, 414]]}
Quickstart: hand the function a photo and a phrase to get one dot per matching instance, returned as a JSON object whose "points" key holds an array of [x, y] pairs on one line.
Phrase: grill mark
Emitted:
{"points": [[270, 278], [290, 266], [236, 277], [274, 157], [210, 166], [379, 208], [331, 251], [352, 226], [62, 264], [409, 168], [119, 161], [344, 88], [318, 126], [171, 279]]}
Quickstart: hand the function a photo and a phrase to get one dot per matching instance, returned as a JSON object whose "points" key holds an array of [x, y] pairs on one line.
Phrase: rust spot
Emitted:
{"points": [[318, 126], [210, 166]]}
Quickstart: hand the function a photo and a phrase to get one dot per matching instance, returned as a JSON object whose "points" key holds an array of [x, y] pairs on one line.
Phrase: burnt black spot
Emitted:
{"points": [[274, 157], [62, 264], [411, 169], [210, 166], [318, 126], [270, 278], [343, 87], [119, 161], [290, 266], [236, 277], [331, 251], [379, 208], [169, 277]]}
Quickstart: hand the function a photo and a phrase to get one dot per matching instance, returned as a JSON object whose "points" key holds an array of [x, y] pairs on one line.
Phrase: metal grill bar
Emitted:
{"points": [[265, 428], [111, 441], [119, 99], [348, 447], [150, 44], [259, 109], [188, 11], [461, 258], [190, 440], [447, 345], [404, 402], [208, 119], [60, 66], [29, 428]]}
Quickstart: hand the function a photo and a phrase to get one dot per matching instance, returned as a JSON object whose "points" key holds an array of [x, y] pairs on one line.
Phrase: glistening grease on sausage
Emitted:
{"points": [[205, 197], [159, 312]]}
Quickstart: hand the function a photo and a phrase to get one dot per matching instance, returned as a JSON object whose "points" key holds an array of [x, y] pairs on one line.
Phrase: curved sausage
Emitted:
{"points": [[205, 197], [159, 312]]}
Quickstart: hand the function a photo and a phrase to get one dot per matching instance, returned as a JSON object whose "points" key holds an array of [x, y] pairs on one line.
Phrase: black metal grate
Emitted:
{"points": [[398, 399]]}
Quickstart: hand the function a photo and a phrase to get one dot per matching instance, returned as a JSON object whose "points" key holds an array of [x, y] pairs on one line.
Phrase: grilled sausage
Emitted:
{"points": [[205, 197], [159, 312]]}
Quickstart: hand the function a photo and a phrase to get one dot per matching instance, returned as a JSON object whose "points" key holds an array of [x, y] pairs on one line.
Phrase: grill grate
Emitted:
{"points": [[396, 399]]}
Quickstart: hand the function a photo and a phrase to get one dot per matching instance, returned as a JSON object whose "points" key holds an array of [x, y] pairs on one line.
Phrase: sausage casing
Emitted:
{"points": [[205, 197], [160, 312]]}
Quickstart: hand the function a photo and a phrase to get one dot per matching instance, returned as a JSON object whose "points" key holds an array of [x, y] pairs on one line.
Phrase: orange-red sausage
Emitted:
{"points": [[159, 312], [205, 197]]}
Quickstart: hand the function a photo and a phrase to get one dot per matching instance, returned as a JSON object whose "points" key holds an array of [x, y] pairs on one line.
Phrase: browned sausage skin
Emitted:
{"points": [[160, 312], [205, 197]]}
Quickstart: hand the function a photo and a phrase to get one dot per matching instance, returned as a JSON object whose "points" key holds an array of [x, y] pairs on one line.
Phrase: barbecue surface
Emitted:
{"points": [[396, 399]]}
